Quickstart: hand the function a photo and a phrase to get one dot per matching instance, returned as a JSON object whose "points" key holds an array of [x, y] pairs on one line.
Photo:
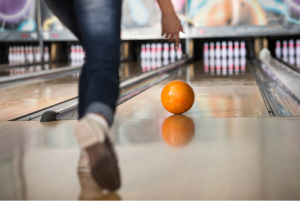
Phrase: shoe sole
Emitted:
{"points": [[103, 166]]}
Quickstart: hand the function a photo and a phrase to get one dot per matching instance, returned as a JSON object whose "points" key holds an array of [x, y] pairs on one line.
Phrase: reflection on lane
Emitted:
{"points": [[8, 72], [178, 130], [225, 67]]}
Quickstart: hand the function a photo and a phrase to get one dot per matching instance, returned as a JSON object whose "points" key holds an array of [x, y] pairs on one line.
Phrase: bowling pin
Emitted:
{"points": [[206, 65], [224, 50], [243, 64], [22, 54], [72, 53], [148, 51], [158, 51], [278, 49], [179, 52], [230, 49], [172, 53], [243, 50], [224, 63], [158, 64], [46, 54], [230, 66], [284, 49], [18, 54], [166, 62], [292, 60], [30, 54], [166, 52], [153, 51], [148, 64], [236, 65], [143, 65], [291, 48], [153, 64], [212, 50], [10, 55], [81, 55], [236, 49], [77, 53], [218, 49], [212, 65], [298, 48], [205, 50], [143, 52]]}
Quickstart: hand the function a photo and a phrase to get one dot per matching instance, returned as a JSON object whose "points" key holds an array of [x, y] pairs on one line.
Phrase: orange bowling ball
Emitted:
{"points": [[178, 130], [177, 97]]}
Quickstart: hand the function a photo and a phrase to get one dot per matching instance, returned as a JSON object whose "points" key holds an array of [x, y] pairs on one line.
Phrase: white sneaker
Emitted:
{"points": [[91, 133]]}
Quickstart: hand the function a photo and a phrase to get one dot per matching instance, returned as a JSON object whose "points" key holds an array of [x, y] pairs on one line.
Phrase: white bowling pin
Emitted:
{"points": [[148, 51], [243, 64], [153, 51], [284, 49], [143, 65], [72, 53], [218, 49], [291, 48], [236, 65], [30, 54], [158, 51], [205, 50], [77, 55], [158, 64], [224, 50], [22, 54], [166, 51], [243, 50], [143, 52], [206, 65], [224, 63], [292, 60], [230, 49], [46, 54], [278, 49], [298, 48], [166, 62], [10, 55], [236, 49], [212, 50], [172, 53], [179, 52], [18, 55]]}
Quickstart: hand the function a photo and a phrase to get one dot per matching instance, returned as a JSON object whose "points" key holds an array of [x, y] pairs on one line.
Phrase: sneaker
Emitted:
{"points": [[91, 133]]}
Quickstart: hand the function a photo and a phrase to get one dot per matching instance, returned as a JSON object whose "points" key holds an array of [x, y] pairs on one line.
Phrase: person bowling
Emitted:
{"points": [[96, 24]]}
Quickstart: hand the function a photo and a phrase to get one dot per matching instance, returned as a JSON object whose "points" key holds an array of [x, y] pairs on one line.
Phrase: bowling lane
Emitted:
{"points": [[219, 92], [20, 99]]}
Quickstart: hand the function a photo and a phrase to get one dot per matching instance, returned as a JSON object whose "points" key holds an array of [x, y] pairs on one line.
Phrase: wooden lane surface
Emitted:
{"points": [[215, 96], [210, 158], [20, 100], [17, 101]]}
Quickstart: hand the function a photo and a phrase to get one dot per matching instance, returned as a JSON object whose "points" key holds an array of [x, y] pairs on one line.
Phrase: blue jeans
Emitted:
{"points": [[96, 23]]}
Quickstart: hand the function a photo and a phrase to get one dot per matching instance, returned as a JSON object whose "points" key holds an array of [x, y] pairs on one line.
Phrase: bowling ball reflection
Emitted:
{"points": [[178, 130]]}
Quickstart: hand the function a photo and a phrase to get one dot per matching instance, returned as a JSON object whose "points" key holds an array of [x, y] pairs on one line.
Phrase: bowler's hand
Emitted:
{"points": [[171, 27]]}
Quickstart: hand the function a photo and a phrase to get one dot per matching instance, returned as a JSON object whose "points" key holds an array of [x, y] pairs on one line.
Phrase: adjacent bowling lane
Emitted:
{"points": [[22, 98], [219, 92]]}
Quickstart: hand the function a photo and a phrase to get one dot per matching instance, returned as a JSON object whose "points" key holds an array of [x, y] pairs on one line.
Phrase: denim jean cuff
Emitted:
{"points": [[102, 108]]}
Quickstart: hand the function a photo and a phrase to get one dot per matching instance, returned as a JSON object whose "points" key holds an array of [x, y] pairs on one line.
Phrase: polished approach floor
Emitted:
{"points": [[225, 147]]}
